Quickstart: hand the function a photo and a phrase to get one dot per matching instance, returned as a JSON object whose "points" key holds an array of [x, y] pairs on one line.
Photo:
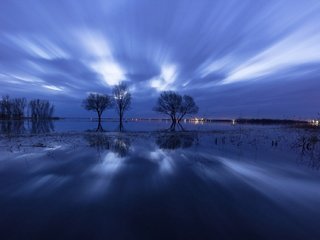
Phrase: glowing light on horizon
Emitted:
{"points": [[315, 122]]}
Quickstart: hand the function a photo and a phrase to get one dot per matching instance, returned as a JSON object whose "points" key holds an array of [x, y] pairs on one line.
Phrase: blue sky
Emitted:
{"points": [[237, 58]]}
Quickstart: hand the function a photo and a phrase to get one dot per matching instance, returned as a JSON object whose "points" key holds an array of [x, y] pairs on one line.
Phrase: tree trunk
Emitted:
{"points": [[99, 117], [181, 117], [173, 118], [99, 128], [120, 121]]}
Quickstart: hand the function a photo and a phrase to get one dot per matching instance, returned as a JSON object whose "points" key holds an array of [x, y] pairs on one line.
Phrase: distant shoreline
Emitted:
{"points": [[187, 120], [30, 118]]}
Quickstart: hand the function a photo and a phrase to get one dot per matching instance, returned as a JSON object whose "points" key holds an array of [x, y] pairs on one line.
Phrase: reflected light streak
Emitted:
{"points": [[164, 161]]}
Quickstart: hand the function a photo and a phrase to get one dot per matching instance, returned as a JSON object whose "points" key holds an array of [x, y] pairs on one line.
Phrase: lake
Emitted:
{"points": [[213, 181], [81, 125]]}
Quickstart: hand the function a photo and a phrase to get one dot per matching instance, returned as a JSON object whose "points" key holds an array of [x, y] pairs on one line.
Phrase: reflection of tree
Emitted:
{"points": [[120, 127], [41, 126], [173, 141], [99, 127], [12, 127], [100, 141], [176, 126], [121, 146], [33, 126]]}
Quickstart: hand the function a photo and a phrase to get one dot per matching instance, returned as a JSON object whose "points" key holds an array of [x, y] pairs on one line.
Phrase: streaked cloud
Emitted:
{"points": [[294, 50], [52, 87], [166, 79], [219, 51]]}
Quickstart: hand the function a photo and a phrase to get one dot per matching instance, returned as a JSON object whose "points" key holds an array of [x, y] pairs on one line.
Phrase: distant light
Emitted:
{"points": [[197, 120], [315, 122]]}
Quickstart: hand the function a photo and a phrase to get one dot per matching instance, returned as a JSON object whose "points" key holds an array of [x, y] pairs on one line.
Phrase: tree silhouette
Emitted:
{"points": [[40, 109], [175, 106], [122, 100], [97, 102], [169, 103], [188, 106], [6, 108], [12, 108], [18, 107]]}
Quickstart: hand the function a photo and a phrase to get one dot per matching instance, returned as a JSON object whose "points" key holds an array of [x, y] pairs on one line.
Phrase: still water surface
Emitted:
{"points": [[81, 125], [254, 183]]}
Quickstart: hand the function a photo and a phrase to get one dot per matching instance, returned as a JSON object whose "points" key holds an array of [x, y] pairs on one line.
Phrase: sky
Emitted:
{"points": [[247, 58]]}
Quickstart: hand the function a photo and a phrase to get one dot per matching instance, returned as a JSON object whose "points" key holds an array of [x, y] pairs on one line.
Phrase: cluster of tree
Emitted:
{"points": [[40, 109], [15, 108], [175, 106], [12, 108], [169, 102], [120, 100]]}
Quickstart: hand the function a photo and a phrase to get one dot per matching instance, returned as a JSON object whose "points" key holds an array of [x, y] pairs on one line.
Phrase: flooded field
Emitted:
{"points": [[208, 182]]}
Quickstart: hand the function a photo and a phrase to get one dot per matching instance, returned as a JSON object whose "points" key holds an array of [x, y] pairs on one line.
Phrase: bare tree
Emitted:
{"points": [[97, 102], [169, 103], [15, 108], [188, 106], [122, 100], [175, 106], [41, 109], [2, 109], [6, 107], [18, 107]]}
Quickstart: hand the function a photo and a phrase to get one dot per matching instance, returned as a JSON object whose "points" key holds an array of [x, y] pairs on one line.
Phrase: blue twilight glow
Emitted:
{"points": [[237, 58]]}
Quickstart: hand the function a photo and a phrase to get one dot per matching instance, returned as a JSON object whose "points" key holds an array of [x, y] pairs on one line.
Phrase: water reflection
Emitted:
{"points": [[176, 127], [41, 126], [12, 127], [117, 144], [121, 146], [117, 128], [173, 141], [16, 127], [99, 127], [98, 141], [309, 147], [198, 191]]}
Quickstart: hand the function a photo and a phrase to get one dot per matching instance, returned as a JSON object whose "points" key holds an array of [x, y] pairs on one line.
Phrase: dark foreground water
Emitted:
{"points": [[238, 184]]}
